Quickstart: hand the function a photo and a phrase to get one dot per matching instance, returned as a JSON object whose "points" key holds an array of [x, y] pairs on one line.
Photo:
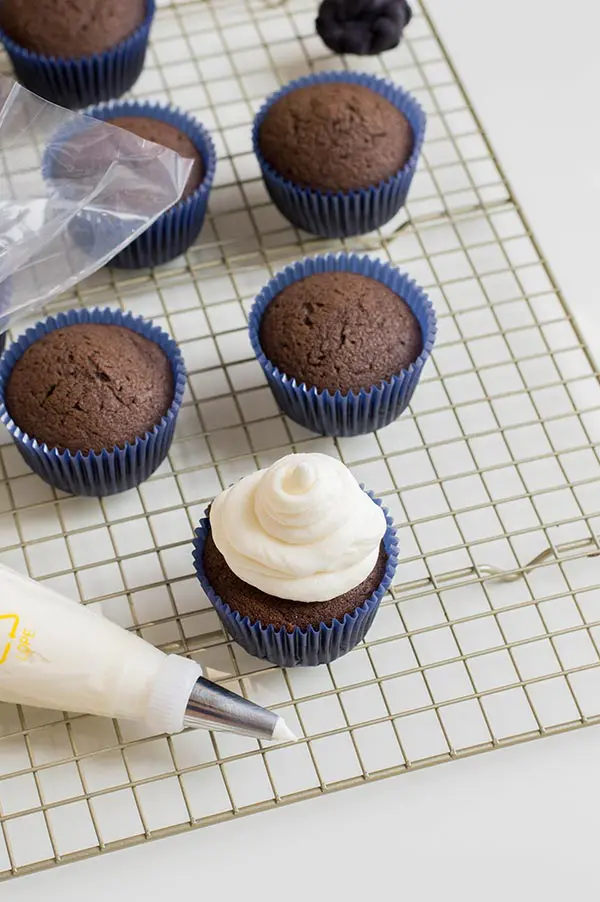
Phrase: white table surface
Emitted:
{"points": [[524, 820]]}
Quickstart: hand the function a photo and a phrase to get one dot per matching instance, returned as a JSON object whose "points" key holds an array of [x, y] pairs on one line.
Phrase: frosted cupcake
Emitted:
{"points": [[296, 559]]}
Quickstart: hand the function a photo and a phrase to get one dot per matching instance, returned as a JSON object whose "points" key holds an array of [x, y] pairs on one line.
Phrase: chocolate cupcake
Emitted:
{"points": [[178, 228], [338, 151], [296, 559], [91, 398], [89, 386], [342, 341], [76, 52], [335, 136], [340, 331]]}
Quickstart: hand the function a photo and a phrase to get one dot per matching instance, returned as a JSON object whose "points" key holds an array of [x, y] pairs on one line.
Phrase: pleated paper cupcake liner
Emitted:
{"points": [[341, 214], [178, 228], [355, 413], [303, 647], [78, 82], [113, 469]]}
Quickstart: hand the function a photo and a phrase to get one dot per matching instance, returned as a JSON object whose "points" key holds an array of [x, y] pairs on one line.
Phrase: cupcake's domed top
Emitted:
{"points": [[90, 386], [160, 132], [340, 331], [335, 136], [70, 28]]}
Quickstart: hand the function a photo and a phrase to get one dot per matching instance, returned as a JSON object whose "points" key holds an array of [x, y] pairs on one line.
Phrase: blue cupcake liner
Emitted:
{"points": [[352, 413], [111, 470], [177, 228], [76, 83], [304, 647], [341, 214]]}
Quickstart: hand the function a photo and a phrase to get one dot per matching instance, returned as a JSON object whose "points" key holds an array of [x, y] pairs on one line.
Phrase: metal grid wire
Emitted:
{"points": [[490, 635]]}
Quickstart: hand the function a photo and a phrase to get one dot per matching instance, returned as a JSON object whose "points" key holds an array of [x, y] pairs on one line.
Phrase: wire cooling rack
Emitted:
{"points": [[491, 634]]}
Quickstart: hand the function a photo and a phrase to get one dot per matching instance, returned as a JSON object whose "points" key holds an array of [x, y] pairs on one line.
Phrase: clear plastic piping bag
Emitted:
{"points": [[73, 192]]}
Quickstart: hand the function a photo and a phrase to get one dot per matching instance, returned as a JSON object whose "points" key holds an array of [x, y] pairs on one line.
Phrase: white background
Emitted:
{"points": [[522, 821]]}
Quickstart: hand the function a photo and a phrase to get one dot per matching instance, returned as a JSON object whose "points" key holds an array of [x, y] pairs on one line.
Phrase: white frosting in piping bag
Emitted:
{"points": [[303, 529]]}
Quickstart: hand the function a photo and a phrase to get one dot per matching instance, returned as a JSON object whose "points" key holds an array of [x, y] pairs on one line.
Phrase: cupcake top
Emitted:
{"points": [[335, 136], [90, 386], [303, 529], [340, 331], [159, 132], [70, 28]]}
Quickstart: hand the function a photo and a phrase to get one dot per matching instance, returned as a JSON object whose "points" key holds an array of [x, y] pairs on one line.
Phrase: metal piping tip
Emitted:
{"points": [[215, 708]]}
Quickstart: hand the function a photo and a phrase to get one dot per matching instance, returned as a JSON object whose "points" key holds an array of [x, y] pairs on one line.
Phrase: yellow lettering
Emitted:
{"points": [[11, 635], [24, 642]]}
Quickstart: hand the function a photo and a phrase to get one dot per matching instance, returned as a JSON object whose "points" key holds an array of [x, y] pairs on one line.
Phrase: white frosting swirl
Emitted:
{"points": [[303, 529]]}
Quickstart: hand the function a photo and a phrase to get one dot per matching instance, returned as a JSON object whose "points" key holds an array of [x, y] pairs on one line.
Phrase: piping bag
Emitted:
{"points": [[55, 653], [74, 191]]}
